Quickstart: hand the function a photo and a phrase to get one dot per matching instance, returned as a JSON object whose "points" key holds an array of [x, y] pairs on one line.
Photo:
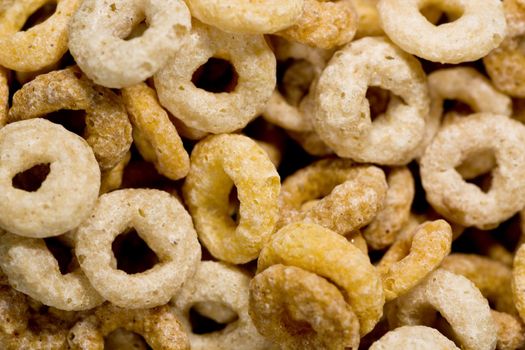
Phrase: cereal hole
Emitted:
{"points": [[457, 107], [120, 336], [137, 30], [40, 15], [296, 328], [378, 98], [132, 253], [31, 180], [216, 75], [479, 175], [233, 205], [62, 254], [204, 324], [71, 120], [294, 78], [438, 15]]}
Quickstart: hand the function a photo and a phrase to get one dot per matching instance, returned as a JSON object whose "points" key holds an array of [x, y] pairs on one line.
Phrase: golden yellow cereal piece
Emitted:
{"points": [[112, 179], [4, 95]]}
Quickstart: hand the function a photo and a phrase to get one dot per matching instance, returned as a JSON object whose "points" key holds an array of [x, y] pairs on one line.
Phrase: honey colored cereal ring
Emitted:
{"points": [[324, 24], [255, 17], [414, 338], [457, 300], [413, 256], [159, 326], [505, 63], [465, 203], [68, 193], [112, 179], [219, 283], [382, 231], [39, 46], [468, 86], [306, 246], [492, 278], [300, 310], [165, 226], [160, 141], [342, 111], [254, 64], [479, 28], [97, 38], [217, 164], [32, 269], [351, 195], [511, 331], [108, 130], [4, 95]]}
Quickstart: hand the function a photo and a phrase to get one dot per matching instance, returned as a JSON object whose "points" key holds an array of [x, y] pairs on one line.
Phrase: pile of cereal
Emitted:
{"points": [[262, 175]]}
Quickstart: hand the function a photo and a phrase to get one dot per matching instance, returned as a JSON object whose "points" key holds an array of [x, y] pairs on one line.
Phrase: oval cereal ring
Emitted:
{"points": [[342, 111], [457, 300], [382, 230], [40, 46], [159, 326], [165, 226], [319, 250], [413, 256], [223, 112], [254, 17], [108, 130], [468, 86], [159, 140], [300, 310], [492, 278], [480, 27], [511, 331], [465, 203], [217, 164], [32, 270], [414, 338], [4, 95], [505, 64], [324, 24], [97, 38], [219, 283], [351, 195], [68, 193]]}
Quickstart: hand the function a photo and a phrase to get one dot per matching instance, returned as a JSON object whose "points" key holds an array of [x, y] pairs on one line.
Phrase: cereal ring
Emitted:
{"points": [[362, 189], [414, 338], [413, 256], [466, 85], [300, 310], [222, 112], [166, 227], [480, 27], [108, 130], [305, 245], [254, 17], [518, 281], [457, 300], [342, 111], [464, 203], [382, 231], [97, 38], [505, 63], [4, 95], [32, 269], [218, 283], [159, 141], [492, 278], [40, 46], [511, 331], [68, 193], [368, 23], [217, 164], [112, 179], [324, 24], [159, 326]]}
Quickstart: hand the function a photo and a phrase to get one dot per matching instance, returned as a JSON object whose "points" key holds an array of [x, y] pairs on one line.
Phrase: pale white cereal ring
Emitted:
{"points": [[342, 111], [221, 112], [216, 282], [97, 38], [70, 190], [465, 203], [480, 28], [165, 226], [414, 338], [252, 17], [32, 270]]}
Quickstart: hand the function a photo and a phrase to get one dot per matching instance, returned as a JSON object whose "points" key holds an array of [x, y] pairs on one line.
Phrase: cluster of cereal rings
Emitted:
{"points": [[292, 174]]}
